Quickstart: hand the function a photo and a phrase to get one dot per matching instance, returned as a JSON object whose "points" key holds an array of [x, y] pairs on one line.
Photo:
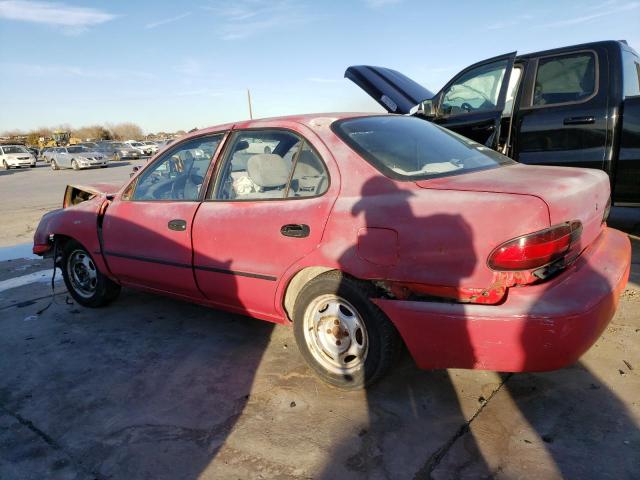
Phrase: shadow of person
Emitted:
{"points": [[151, 388], [420, 410], [584, 426]]}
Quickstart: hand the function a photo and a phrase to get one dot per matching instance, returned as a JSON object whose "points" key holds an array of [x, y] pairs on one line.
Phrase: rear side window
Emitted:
{"points": [[408, 148], [565, 79], [268, 165], [631, 73]]}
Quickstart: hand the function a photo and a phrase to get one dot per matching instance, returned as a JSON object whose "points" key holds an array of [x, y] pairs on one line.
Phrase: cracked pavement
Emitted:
{"points": [[154, 388]]}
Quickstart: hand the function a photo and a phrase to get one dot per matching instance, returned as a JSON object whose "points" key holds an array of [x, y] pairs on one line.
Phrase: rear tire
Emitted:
{"points": [[344, 337], [86, 284]]}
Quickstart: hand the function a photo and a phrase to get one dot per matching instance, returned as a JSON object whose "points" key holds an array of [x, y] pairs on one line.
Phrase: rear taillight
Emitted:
{"points": [[536, 249]]}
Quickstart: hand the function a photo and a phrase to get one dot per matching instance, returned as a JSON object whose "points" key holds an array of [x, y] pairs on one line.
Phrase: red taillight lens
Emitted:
{"points": [[536, 249]]}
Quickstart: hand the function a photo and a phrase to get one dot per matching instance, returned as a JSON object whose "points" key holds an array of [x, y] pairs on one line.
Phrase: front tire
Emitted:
{"points": [[344, 337], [74, 165], [54, 165], [86, 284], [5, 165]]}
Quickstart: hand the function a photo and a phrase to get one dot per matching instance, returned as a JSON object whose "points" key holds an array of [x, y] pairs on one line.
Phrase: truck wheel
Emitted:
{"points": [[54, 165], [343, 336], [74, 165], [86, 284], [5, 165]]}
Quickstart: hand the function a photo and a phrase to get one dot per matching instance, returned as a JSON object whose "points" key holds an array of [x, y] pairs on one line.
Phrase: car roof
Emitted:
{"points": [[312, 120]]}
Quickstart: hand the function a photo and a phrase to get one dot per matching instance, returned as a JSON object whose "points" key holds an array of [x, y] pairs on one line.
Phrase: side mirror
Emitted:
{"points": [[424, 109]]}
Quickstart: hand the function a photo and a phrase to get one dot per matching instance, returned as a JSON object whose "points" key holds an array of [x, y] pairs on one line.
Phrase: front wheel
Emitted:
{"points": [[74, 165], [54, 165], [86, 284], [5, 165], [345, 338], [116, 157]]}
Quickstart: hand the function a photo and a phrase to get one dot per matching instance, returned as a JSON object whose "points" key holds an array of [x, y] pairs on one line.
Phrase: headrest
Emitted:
{"points": [[268, 170]]}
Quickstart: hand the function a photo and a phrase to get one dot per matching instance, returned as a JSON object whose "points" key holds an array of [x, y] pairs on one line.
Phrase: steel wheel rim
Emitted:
{"points": [[82, 273], [335, 334]]}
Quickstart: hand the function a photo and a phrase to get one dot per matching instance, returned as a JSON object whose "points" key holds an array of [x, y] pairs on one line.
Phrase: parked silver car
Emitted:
{"points": [[76, 157], [16, 156]]}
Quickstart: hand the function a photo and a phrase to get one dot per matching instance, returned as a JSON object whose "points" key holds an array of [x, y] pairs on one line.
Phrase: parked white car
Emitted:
{"points": [[16, 156], [141, 147], [153, 146]]}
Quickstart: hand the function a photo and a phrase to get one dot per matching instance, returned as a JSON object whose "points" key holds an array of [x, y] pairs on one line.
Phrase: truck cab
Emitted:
{"points": [[574, 106]]}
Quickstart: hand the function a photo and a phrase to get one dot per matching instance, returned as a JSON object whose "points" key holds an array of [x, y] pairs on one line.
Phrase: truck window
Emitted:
{"points": [[475, 91], [512, 90], [565, 79], [631, 73]]}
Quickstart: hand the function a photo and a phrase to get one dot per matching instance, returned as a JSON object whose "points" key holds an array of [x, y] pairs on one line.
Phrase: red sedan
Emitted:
{"points": [[364, 232]]}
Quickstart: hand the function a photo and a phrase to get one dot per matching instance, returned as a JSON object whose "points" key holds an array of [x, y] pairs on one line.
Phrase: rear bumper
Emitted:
{"points": [[537, 328]]}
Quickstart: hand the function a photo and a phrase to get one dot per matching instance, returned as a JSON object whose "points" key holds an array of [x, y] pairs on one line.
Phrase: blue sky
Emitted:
{"points": [[169, 65]]}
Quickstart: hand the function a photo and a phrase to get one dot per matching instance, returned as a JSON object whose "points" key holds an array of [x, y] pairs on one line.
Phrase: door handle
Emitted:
{"points": [[579, 120], [488, 128], [295, 230], [177, 225]]}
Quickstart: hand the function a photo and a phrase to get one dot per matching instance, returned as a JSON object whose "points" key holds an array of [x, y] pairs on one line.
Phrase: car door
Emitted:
{"points": [[562, 117], [63, 158], [266, 210], [147, 230], [472, 103]]}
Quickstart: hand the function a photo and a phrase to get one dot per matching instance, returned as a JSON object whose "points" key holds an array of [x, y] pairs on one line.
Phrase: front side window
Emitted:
{"points": [[477, 90], [180, 173], [512, 91], [409, 148], [631, 73], [565, 79], [270, 164]]}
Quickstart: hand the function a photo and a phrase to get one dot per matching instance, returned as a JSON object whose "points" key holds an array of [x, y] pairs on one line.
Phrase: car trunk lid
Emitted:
{"points": [[569, 193]]}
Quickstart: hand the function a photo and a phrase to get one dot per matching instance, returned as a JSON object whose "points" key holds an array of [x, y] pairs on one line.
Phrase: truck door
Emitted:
{"points": [[562, 116], [472, 103]]}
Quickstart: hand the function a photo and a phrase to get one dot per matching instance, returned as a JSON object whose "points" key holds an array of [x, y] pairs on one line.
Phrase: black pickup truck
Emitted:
{"points": [[574, 106]]}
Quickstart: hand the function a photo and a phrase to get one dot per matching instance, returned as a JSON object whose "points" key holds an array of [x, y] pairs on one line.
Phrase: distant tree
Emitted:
{"points": [[126, 131], [93, 132]]}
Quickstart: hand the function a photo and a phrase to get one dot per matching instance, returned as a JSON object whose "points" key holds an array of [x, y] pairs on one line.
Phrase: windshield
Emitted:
{"points": [[409, 148], [119, 145], [14, 149], [77, 149], [137, 144]]}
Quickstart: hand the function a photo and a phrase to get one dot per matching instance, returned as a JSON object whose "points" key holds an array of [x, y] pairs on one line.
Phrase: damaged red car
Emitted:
{"points": [[364, 232]]}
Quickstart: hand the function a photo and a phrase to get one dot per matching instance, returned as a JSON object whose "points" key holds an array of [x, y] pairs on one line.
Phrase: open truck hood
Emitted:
{"points": [[569, 193], [395, 92]]}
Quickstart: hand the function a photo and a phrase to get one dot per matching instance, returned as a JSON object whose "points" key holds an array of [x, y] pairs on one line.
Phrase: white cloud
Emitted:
{"points": [[611, 9], [167, 20], [53, 70], [71, 18], [249, 18], [381, 3]]}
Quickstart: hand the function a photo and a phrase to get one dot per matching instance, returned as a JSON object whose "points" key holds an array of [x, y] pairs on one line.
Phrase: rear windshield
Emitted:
{"points": [[408, 148]]}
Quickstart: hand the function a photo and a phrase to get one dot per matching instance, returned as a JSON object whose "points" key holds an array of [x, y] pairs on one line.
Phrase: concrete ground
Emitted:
{"points": [[154, 388]]}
